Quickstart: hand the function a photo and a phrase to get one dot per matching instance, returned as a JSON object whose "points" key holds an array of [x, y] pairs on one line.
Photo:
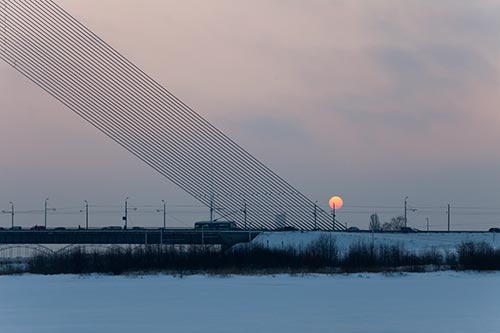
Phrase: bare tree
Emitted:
{"points": [[374, 222], [395, 224]]}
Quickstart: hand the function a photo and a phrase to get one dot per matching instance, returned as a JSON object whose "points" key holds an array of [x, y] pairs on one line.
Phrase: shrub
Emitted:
{"points": [[320, 256], [478, 256]]}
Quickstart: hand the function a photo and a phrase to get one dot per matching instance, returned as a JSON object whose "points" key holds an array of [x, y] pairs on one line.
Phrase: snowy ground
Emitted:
{"points": [[415, 242], [431, 302]]}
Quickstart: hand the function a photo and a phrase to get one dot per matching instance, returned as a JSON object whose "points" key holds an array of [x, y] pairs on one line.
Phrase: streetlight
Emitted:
{"points": [[406, 211], [211, 209], [164, 214], [12, 213], [333, 214], [335, 202], [406, 219], [315, 215], [164, 211], [45, 212], [86, 214], [125, 217], [245, 213]]}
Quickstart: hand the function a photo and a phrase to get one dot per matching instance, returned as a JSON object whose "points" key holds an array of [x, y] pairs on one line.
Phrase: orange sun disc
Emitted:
{"points": [[336, 202]]}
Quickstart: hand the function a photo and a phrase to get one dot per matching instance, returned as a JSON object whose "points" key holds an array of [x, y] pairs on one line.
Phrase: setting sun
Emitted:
{"points": [[336, 202]]}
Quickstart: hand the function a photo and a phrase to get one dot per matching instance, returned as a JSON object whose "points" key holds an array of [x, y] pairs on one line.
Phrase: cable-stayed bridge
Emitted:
{"points": [[59, 54], [28, 239]]}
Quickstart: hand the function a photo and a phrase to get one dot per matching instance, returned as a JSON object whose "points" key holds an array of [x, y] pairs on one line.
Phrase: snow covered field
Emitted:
{"points": [[431, 302], [415, 242]]}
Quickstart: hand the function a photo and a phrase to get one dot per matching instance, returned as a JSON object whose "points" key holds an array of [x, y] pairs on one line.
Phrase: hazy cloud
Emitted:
{"points": [[356, 97]]}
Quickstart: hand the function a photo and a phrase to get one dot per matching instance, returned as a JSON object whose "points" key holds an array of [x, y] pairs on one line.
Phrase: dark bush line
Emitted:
{"points": [[362, 257], [478, 256], [154, 258], [321, 257]]}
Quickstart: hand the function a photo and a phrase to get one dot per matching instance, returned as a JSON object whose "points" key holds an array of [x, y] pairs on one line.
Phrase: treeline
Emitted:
{"points": [[321, 257]]}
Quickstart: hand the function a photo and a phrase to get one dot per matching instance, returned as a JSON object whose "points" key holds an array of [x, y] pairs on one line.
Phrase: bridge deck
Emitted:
{"points": [[144, 236]]}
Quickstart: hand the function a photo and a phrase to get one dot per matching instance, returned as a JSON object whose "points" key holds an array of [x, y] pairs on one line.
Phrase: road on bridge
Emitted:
{"points": [[142, 236]]}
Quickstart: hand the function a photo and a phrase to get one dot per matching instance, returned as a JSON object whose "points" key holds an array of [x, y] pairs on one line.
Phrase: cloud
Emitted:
{"points": [[355, 93]]}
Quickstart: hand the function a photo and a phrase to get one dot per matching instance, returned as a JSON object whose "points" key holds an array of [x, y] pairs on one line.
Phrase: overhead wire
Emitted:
{"points": [[261, 192], [141, 148]]}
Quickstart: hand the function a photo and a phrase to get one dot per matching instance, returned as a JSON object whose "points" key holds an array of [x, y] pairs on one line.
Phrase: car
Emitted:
{"points": [[494, 230], [2, 228], [38, 227], [408, 230], [137, 228], [112, 228], [16, 227], [216, 225], [59, 228], [352, 229]]}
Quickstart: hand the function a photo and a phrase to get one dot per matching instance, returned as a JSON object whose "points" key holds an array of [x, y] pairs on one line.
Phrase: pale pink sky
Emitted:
{"points": [[371, 100]]}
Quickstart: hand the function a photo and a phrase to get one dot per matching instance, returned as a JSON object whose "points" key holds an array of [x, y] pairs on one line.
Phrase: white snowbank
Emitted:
{"points": [[415, 242], [411, 303]]}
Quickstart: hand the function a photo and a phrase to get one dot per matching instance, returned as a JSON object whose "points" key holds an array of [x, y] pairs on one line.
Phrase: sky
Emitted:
{"points": [[369, 100]]}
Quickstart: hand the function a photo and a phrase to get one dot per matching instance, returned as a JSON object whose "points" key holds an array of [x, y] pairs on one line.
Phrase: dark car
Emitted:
{"points": [[38, 227], [112, 228], [60, 228], [408, 230], [216, 225], [494, 230], [352, 229]]}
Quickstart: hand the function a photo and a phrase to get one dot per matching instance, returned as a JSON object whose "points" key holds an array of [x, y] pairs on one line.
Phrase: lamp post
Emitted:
{"points": [[245, 213], [333, 214], [211, 209], [86, 214], [12, 214], [449, 214], [125, 217], [315, 215], [45, 212], [164, 214], [406, 220]]}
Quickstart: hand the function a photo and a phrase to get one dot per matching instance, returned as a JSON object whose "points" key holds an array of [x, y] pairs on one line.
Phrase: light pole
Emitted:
{"points": [[211, 209], [315, 215], [45, 212], [449, 214], [406, 220], [245, 213], [333, 215], [86, 214], [125, 217], [12, 214], [164, 214]]}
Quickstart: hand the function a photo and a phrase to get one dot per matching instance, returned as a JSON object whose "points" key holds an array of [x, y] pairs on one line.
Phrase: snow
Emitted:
{"points": [[430, 302], [414, 242]]}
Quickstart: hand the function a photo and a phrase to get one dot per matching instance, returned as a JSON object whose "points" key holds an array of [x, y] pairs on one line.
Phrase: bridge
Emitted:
{"points": [[225, 239], [59, 54]]}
